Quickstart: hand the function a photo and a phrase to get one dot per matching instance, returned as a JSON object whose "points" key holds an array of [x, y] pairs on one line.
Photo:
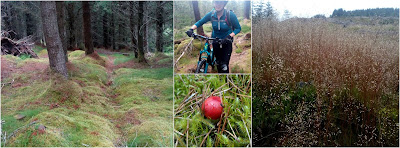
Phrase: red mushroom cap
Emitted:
{"points": [[212, 107]]}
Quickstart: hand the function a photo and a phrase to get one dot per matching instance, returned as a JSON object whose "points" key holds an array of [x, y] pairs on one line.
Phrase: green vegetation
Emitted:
{"points": [[375, 12], [193, 129], [93, 108], [238, 50], [119, 58]]}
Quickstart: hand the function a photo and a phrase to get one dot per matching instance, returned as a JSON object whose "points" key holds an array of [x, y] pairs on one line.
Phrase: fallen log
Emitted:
{"points": [[16, 48]]}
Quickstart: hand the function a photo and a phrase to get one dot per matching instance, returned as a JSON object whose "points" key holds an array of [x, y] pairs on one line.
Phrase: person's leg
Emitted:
{"points": [[223, 55], [218, 55], [226, 57]]}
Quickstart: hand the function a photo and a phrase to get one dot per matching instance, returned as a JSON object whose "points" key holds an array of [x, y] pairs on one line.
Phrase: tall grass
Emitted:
{"points": [[317, 83]]}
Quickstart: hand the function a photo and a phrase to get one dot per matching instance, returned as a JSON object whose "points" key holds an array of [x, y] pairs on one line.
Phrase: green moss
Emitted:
{"points": [[11, 124], [88, 71], [119, 58], [246, 29], [32, 61], [69, 90], [165, 61], [155, 73], [22, 96], [101, 61], [68, 128], [42, 53], [156, 132], [82, 110], [150, 103], [76, 54], [238, 50]]}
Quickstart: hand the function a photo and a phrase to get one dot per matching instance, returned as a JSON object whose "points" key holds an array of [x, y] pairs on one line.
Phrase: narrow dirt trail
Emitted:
{"points": [[111, 95]]}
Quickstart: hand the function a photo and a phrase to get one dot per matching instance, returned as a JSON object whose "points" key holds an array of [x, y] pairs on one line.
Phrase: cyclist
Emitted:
{"points": [[224, 27]]}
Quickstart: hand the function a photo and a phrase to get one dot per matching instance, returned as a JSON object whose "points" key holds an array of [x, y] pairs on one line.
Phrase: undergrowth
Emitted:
{"points": [[91, 108]]}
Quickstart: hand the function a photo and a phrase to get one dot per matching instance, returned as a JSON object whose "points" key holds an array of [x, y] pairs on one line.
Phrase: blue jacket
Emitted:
{"points": [[220, 27]]}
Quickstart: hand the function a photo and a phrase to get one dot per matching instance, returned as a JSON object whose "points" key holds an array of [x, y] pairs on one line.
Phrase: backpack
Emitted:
{"points": [[227, 18]]}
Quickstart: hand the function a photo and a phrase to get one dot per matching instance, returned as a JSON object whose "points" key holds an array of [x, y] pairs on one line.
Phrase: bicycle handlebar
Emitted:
{"points": [[204, 37]]}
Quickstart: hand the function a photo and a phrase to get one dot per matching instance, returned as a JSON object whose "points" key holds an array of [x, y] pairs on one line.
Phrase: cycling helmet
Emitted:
{"points": [[221, 1]]}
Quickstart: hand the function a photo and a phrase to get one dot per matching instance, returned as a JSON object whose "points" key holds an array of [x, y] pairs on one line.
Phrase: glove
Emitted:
{"points": [[189, 32], [227, 40]]}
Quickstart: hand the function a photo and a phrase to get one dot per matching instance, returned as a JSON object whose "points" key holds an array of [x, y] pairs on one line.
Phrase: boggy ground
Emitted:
{"points": [[109, 100]]}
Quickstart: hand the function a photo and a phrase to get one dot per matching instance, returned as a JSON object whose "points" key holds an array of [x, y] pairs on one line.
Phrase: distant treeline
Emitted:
{"points": [[382, 12]]}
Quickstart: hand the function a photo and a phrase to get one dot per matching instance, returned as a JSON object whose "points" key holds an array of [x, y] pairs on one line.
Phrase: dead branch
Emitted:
{"points": [[17, 47]]}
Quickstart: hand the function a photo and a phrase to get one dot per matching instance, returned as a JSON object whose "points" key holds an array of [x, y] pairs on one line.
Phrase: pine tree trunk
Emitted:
{"points": [[71, 26], [87, 28], [120, 34], [132, 24], [53, 41], [146, 35], [105, 30], [30, 24], [140, 33], [159, 27], [197, 17], [22, 21], [61, 27], [112, 29]]}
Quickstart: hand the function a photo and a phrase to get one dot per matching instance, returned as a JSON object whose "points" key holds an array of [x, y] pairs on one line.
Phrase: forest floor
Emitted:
{"points": [[240, 61], [108, 100]]}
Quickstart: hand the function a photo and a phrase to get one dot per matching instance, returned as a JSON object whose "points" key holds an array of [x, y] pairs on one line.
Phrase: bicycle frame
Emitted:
{"points": [[207, 53]]}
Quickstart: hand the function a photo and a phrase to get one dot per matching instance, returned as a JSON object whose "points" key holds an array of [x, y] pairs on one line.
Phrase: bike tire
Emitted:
{"points": [[202, 64]]}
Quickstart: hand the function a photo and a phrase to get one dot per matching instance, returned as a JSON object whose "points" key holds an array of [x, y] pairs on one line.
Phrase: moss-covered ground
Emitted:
{"points": [[101, 104]]}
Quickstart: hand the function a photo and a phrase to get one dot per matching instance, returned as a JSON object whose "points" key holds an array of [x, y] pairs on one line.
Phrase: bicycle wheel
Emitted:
{"points": [[201, 67]]}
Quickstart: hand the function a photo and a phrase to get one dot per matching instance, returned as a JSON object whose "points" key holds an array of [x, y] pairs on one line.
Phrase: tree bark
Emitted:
{"points": [[159, 27], [197, 17], [132, 24], [87, 28], [140, 33], [30, 24], [61, 27], [105, 30], [71, 26], [53, 41], [247, 6], [112, 29], [22, 20]]}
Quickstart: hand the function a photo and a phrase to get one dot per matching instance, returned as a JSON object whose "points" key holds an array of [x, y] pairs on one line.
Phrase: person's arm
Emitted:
{"points": [[235, 24], [202, 21]]}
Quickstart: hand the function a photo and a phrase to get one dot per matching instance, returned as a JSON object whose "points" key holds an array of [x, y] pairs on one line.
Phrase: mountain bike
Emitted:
{"points": [[206, 55]]}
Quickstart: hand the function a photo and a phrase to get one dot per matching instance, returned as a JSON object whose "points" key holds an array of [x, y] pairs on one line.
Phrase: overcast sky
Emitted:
{"points": [[309, 8]]}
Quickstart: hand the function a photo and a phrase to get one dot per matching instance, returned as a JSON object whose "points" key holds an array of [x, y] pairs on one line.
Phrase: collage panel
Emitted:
{"points": [[212, 110], [86, 74], [212, 36], [325, 73], [188, 73]]}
